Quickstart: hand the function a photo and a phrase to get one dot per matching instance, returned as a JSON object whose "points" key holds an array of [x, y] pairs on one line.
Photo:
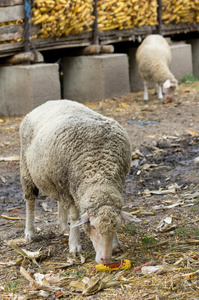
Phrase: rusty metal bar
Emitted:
{"points": [[159, 16], [95, 25]]}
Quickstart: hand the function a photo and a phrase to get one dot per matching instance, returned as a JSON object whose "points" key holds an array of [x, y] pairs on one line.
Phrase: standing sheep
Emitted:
{"points": [[153, 57], [80, 159]]}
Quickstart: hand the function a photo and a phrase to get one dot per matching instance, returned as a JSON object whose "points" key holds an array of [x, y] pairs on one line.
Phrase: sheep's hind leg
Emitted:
{"points": [[74, 236], [145, 91], [156, 88], [63, 216], [30, 194], [30, 216]]}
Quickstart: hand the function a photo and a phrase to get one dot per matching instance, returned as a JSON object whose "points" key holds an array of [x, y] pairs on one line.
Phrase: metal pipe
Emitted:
{"points": [[27, 26]]}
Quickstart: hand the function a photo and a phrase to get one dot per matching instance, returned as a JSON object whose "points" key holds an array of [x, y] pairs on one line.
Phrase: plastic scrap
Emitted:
{"points": [[141, 123]]}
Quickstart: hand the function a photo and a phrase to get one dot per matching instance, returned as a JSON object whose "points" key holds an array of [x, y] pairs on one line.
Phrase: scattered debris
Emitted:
{"points": [[30, 254], [171, 190], [167, 154], [151, 269], [46, 207], [137, 154], [166, 225], [196, 160], [11, 263], [150, 263]]}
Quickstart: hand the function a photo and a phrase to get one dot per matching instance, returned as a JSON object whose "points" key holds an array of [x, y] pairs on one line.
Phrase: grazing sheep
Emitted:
{"points": [[153, 57], [80, 159]]}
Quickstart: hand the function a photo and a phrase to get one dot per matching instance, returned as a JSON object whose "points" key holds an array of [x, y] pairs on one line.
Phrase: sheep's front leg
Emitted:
{"points": [[145, 91], [74, 236], [159, 92], [116, 242], [63, 216], [30, 216]]}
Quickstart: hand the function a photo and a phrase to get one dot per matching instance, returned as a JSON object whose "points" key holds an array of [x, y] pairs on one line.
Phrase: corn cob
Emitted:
{"points": [[62, 17], [180, 11], [126, 14], [125, 264], [56, 18], [73, 17]]}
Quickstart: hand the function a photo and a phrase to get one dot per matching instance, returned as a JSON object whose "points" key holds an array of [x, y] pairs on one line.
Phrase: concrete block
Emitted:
{"points": [[136, 81], [22, 88], [93, 78], [181, 62], [181, 65], [195, 57]]}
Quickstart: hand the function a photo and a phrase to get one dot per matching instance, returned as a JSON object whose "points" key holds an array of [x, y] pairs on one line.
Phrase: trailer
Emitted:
{"points": [[18, 32]]}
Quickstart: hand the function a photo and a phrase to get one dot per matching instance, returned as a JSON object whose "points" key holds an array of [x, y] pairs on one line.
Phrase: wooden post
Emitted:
{"points": [[95, 26], [159, 16], [27, 27]]}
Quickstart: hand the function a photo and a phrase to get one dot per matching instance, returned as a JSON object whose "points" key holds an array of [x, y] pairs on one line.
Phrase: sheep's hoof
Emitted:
{"points": [[65, 230], [75, 249], [29, 235], [116, 247]]}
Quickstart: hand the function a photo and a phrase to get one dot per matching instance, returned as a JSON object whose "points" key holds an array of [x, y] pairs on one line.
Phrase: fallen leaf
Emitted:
{"points": [[196, 160], [12, 263], [10, 158], [30, 254], [15, 211], [11, 218]]}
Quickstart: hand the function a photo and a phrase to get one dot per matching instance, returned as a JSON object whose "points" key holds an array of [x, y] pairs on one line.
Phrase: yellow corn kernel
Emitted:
{"points": [[126, 264]]}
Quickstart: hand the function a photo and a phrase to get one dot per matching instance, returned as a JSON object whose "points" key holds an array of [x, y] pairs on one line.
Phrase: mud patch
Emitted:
{"points": [[170, 161]]}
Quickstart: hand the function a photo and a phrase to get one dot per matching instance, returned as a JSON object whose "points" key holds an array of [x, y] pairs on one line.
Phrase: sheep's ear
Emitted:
{"points": [[167, 84], [127, 217], [84, 218]]}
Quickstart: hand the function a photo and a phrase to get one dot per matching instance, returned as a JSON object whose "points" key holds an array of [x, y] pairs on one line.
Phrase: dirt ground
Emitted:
{"points": [[162, 189]]}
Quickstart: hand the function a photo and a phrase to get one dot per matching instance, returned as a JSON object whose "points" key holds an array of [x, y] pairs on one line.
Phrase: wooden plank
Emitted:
{"points": [[11, 32], [4, 3], [11, 13], [48, 43], [85, 39], [11, 48], [179, 28], [72, 41], [114, 36]]}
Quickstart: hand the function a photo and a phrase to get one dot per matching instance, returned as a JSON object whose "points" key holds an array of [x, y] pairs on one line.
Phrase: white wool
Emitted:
{"points": [[77, 157], [153, 57]]}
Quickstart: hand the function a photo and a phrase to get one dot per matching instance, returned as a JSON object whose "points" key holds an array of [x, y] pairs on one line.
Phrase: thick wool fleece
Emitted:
{"points": [[107, 215], [73, 154], [153, 58]]}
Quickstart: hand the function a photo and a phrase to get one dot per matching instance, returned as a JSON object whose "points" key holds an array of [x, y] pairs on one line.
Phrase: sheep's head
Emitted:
{"points": [[101, 228], [169, 88]]}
